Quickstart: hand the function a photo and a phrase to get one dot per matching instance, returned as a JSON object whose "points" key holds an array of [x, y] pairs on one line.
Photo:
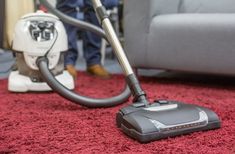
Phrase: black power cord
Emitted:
{"points": [[53, 44]]}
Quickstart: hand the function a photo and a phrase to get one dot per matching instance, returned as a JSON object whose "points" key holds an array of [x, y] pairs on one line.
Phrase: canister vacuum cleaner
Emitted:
{"points": [[143, 120], [38, 34]]}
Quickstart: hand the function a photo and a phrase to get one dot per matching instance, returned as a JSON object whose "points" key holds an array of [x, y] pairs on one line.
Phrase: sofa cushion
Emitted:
{"points": [[192, 42]]}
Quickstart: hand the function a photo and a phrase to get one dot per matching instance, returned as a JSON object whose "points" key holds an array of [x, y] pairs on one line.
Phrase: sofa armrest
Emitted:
{"points": [[142, 11], [138, 15]]}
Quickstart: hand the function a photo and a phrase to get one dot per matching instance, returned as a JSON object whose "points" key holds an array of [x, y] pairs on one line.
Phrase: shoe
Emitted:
{"points": [[99, 71], [72, 71]]}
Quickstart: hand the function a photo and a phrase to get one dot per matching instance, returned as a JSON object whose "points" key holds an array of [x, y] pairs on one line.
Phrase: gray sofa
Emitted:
{"points": [[181, 35]]}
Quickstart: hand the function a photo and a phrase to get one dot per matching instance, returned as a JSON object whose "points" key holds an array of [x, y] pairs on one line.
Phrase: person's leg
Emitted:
{"points": [[92, 42], [72, 53], [109, 4], [69, 7], [92, 45]]}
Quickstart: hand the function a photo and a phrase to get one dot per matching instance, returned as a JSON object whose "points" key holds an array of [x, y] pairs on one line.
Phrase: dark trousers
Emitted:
{"points": [[91, 42]]}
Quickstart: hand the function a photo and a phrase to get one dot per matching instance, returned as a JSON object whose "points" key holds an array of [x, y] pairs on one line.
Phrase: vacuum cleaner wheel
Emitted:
{"points": [[165, 119]]}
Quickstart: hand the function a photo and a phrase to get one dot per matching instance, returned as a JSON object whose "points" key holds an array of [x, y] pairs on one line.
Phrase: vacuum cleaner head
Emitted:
{"points": [[165, 119]]}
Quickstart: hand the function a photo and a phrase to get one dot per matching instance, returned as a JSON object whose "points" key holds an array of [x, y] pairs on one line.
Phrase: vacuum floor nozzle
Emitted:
{"points": [[165, 119]]}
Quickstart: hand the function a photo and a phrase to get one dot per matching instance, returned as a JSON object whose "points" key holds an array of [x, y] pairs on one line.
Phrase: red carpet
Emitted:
{"points": [[47, 123]]}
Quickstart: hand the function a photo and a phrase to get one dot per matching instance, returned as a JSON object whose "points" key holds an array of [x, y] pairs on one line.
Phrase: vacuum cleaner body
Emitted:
{"points": [[36, 35], [164, 119]]}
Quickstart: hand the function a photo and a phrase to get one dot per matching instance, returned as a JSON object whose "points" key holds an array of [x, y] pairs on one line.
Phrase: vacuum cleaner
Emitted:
{"points": [[143, 120], [38, 34]]}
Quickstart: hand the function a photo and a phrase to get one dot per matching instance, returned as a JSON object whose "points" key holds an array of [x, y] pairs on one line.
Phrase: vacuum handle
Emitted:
{"points": [[112, 37]]}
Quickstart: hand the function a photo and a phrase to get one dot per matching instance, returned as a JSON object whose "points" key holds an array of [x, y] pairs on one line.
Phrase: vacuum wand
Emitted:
{"points": [[132, 81]]}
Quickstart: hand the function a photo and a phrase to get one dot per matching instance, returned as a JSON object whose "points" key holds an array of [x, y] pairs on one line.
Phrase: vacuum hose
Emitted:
{"points": [[74, 97], [42, 63]]}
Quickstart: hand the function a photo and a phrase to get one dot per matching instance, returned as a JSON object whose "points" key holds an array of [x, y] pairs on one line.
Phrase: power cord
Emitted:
{"points": [[53, 44]]}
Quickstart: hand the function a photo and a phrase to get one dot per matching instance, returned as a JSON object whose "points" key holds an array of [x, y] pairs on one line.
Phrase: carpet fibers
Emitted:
{"points": [[47, 123]]}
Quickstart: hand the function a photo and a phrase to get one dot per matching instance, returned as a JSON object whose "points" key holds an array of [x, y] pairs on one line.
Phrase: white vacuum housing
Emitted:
{"points": [[36, 35]]}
